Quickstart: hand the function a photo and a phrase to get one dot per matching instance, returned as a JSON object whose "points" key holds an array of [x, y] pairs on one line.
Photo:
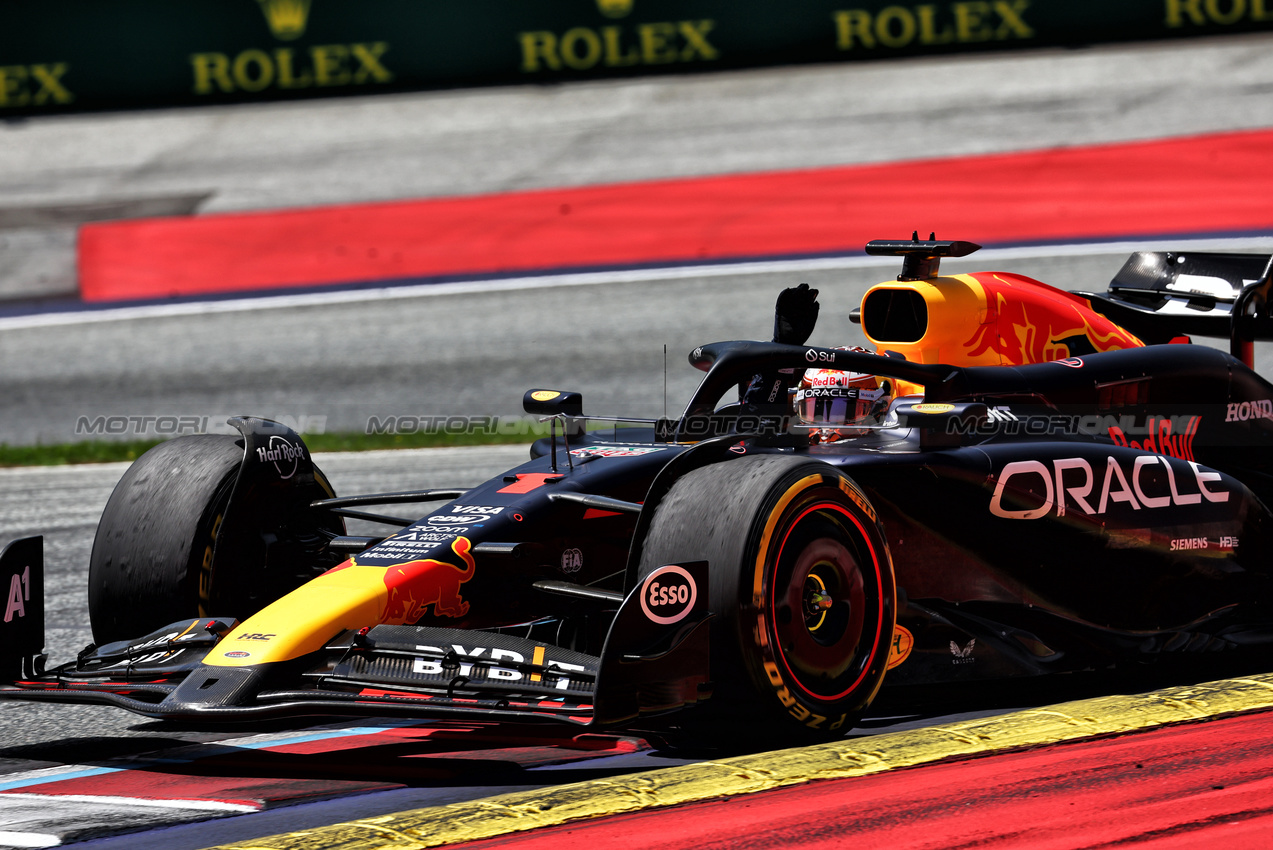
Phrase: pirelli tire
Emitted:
{"points": [[802, 586], [152, 558]]}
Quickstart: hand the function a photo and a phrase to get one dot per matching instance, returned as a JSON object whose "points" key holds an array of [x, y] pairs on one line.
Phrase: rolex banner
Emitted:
{"points": [[85, 54]]}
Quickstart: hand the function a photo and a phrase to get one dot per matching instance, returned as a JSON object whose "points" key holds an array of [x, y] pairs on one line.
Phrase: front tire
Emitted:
{"points": [[156, 536], [801, 584], [152, 560]]}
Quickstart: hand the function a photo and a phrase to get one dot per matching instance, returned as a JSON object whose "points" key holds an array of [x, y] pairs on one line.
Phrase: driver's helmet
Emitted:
{"points": [[837, 401]]}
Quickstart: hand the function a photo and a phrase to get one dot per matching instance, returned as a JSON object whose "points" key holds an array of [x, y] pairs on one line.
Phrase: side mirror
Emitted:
{"points": [[944, 424], [553, 403]]}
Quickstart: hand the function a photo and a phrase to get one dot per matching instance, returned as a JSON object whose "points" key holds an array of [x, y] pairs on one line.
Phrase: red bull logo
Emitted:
{"points": [[1036, 324], [1160, 438], [415, 585]]}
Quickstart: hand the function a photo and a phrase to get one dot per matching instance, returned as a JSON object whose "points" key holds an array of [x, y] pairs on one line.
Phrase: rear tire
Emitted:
{"points": [[802, 587]]}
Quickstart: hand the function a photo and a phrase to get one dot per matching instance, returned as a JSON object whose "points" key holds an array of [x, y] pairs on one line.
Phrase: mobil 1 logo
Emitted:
{"points": [[668, 595]]}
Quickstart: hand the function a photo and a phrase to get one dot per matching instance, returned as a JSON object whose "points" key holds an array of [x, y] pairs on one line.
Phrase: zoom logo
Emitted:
{"points": [[668, 595]]}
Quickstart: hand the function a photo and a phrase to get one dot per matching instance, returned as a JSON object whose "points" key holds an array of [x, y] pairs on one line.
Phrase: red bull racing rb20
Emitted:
{"points": [[1017, 484]]}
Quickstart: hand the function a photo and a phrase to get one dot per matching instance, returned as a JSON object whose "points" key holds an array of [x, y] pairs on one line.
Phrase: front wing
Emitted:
{"points": [[646, 667]]}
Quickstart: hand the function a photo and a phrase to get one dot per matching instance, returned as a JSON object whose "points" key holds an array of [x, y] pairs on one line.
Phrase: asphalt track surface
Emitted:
{"points": [[400, 359], [1051, 196], [474, 351]]}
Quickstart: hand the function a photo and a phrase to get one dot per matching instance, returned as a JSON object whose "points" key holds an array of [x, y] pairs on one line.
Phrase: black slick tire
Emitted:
{"points": [[155, 539]]}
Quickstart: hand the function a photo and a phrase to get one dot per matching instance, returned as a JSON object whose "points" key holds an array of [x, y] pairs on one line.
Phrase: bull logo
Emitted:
{"points": [[415, 585], [287, 18], [1025, 331]]}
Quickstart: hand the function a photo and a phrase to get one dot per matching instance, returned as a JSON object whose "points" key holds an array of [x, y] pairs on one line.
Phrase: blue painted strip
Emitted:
{"points": [[207, 750], [44, 780]]}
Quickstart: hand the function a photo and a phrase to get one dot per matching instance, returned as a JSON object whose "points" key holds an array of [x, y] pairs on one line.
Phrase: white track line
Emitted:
{"points": [[28, 839], [346, 296], [143, 802]]}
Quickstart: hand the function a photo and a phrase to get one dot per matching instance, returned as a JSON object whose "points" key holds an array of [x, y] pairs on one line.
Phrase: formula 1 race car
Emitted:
{"points": [[1056, 483]]}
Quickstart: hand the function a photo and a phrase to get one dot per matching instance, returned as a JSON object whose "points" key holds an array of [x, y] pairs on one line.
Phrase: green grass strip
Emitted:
{"points": [[107, 451], [87, 451]]}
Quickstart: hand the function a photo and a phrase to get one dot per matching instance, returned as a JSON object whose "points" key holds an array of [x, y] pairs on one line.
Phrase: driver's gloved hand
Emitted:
{"points": [[795, 314]]}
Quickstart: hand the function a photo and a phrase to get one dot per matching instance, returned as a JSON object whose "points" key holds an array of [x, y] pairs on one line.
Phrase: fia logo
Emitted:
{"points": [[963, 655], [571, 561]]}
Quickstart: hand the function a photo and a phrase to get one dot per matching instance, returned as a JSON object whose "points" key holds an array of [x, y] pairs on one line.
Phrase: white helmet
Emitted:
{"points": [[837, 401]]}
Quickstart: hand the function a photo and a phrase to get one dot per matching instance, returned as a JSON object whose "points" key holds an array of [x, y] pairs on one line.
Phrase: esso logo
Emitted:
{"points": [[668, 594]]}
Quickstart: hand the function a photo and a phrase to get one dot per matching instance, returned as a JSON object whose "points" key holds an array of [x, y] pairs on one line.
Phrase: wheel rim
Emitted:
{"points": [[825, 602]]}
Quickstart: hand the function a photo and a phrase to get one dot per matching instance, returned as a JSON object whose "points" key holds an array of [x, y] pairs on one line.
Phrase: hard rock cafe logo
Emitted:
{"points": [[615, 8], [287, 18], [285, 455]]}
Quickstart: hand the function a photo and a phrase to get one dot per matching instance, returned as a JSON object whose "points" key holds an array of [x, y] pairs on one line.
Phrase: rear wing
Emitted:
{"points": [[1162, 295]]}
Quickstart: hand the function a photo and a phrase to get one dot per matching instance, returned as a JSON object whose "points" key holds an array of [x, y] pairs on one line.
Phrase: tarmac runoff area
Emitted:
{"points": [[62, 171], [1105, 192], [1136, 771]]}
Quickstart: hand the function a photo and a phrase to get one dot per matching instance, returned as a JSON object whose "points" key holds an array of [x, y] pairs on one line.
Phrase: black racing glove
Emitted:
{"points": [[795, 314]]}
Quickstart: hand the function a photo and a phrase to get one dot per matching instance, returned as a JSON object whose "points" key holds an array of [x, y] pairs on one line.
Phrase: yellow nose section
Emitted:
{"points": [[305, 619], [350, 596]]}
